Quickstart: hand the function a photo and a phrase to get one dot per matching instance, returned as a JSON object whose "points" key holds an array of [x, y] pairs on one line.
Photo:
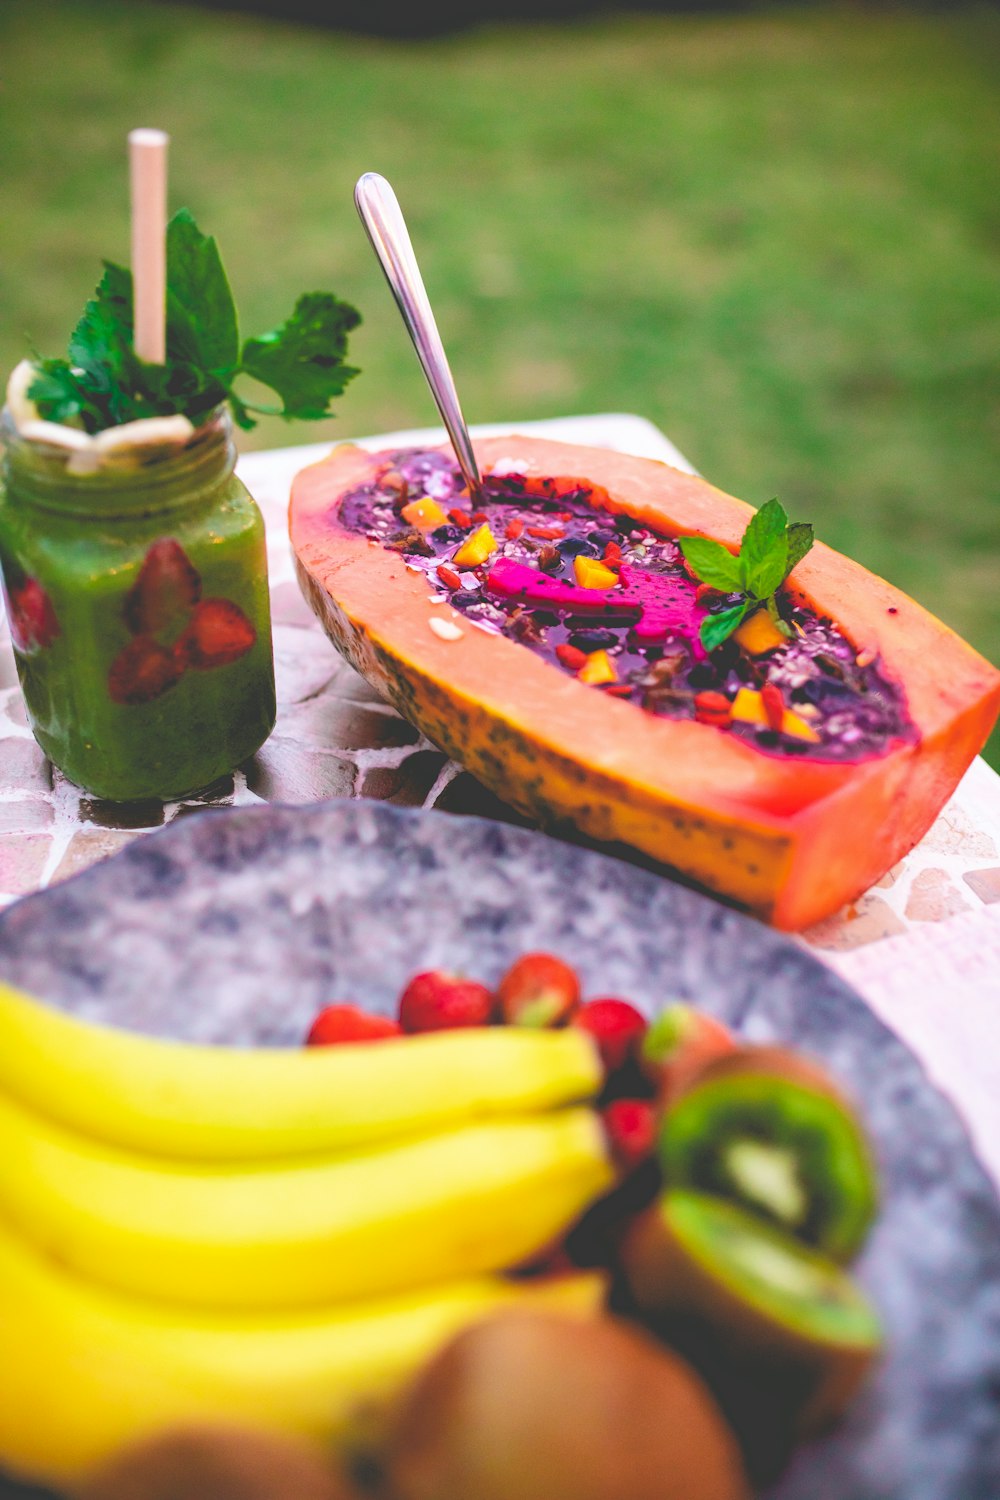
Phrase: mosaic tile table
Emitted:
{"points": [[923, 946]]}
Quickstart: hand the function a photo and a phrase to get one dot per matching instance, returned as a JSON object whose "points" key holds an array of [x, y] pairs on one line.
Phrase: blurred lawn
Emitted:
{"points": [[776, 236]]}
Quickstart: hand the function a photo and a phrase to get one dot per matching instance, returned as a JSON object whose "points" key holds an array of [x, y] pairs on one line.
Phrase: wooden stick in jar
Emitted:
{"points": [[148, 175]]}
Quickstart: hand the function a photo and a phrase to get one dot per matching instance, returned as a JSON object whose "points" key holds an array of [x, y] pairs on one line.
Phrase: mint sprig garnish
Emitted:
{"points": [[103, 383], [770, 548]]}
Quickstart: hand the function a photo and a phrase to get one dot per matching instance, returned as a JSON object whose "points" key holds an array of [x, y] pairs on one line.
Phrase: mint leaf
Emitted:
{"points": [[713, 563], [200, 287], [800, 540], [764, 550], [303, 360], [718, 628]]}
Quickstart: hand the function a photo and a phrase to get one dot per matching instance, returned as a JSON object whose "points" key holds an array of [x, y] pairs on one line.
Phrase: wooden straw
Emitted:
{"points": [[148, 174]]}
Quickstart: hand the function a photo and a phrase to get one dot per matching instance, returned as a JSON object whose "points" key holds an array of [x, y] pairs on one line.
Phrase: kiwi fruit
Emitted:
{"points": [[770, 1131], [526, 1405], [216, 1463], [770, 1322]]}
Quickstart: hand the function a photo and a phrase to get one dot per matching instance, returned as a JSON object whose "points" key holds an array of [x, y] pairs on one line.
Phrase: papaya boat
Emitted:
{"points": [[554, 638]]}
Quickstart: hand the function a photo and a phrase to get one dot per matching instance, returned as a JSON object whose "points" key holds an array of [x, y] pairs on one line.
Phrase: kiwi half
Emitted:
{"points": [[769, 1131], [764, 1317]]}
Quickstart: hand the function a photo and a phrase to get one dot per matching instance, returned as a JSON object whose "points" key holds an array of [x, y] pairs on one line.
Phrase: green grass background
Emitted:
{"points": [[776, 235]]}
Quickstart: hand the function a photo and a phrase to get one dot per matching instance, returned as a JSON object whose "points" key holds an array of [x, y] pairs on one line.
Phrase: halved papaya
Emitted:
{"points": [[790, 838]]}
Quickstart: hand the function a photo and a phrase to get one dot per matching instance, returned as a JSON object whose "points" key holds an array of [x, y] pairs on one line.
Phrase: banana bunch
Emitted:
{"points": [[274, 1238]]}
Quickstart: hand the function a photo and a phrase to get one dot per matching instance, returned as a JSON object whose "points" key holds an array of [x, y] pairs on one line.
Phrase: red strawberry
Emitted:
{"points": [[439, 1001], [33, 623], [678, 1044], [166, 591], [616, 1026], [141, 671], [348, 1023], [219, 633], [538, 990], [631, 1127]]}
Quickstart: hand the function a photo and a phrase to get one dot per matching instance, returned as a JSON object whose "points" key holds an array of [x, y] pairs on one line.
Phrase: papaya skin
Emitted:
{"points": [[788, 839]]}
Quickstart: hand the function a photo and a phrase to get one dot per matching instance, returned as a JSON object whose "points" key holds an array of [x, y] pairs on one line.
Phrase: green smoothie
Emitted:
{"points": [[138, 606]]}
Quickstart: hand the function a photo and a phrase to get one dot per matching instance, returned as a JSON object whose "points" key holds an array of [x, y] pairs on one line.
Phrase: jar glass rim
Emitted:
{"points": [[130, 479]]}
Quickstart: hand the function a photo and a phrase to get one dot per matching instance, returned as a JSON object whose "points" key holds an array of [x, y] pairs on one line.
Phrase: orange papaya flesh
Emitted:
{"points": [[789, 839]]}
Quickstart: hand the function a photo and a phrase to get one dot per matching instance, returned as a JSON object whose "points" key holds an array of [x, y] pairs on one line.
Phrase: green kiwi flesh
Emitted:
{"points": [[792, 1153], [803, 1292]]}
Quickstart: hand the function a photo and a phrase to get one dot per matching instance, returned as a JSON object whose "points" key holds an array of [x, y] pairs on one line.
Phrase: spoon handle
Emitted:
{"points": [[386, 228]]}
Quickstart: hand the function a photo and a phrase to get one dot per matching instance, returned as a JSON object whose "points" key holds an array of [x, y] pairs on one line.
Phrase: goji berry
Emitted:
{"points": [[711, 708], [773, 704], [546, 533], [448, 576], [571, 656], [514, 529], [613, 555], [460, 518]]}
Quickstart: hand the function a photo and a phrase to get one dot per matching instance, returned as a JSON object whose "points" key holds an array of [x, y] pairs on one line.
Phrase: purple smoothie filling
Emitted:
{"points": [[648, 623]]}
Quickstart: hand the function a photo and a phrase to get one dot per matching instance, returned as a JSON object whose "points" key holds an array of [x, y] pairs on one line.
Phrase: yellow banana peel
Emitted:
{"points": [[477, 1198], [181, 1099], [85, 1371]]}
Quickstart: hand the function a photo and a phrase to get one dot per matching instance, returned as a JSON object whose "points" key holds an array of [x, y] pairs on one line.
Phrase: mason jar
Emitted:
{"points": [[135, 581]]}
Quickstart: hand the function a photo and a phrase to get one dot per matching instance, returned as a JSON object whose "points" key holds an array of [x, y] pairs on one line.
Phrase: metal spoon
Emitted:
{"points": [[386, 228]]}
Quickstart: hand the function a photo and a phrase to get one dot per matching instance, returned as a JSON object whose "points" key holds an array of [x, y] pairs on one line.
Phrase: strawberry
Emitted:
{"points": [[538, 990], [678, 1044], [616, 1026], [142, 671], [219, 633], [33, 623], [348, 1023], [631, 1128], [166, 591], [439, 1001]]}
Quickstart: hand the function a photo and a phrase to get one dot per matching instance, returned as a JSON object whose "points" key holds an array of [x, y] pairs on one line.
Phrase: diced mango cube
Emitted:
{"points": [[758, 634], [794, 725], [591, 574], [748, 707], [598, 668], [425, 514], [476, 548]]}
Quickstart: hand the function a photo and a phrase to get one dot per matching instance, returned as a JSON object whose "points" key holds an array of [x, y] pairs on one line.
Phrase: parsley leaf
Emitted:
{"points": [[770, 548], [103, 383], [303, 359]]}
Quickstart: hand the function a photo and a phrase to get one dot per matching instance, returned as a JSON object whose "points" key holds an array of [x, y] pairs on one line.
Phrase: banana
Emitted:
{"points": [[181, 1099], [85, 1371], [481, 1197]]}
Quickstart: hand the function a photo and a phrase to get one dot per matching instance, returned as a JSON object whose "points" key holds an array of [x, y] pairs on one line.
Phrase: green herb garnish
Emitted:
{"points": [[769, 550], [103, 383]]}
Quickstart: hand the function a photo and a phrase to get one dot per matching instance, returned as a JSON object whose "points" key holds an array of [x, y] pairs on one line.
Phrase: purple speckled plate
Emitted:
{"points": [[238, 925]]}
